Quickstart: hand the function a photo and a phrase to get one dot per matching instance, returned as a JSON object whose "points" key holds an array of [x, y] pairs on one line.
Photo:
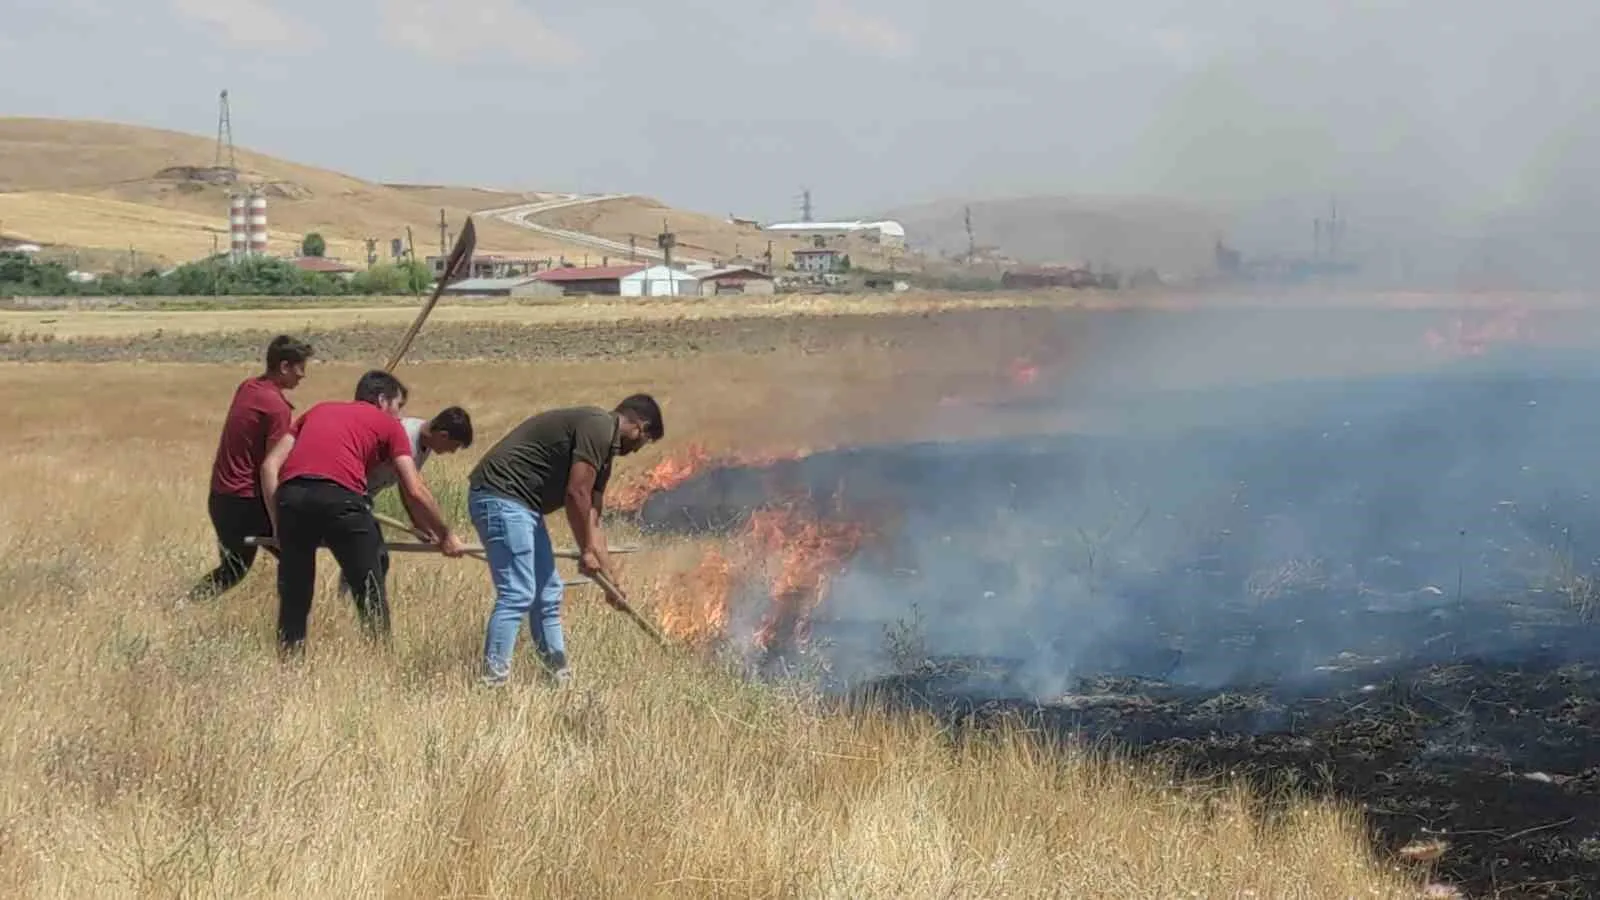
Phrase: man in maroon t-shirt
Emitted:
{"points": [[259, 415], [315, 483]]}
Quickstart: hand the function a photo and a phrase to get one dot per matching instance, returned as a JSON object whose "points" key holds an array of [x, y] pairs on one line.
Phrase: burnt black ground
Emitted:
{"points": [[1371, 588]]}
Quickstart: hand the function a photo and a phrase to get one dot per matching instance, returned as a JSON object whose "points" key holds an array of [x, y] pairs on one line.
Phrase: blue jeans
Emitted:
{"points": [[522, 564]]}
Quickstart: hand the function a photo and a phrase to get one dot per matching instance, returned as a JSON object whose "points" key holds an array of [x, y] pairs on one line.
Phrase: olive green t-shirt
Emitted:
{"points": [[532, 462]]}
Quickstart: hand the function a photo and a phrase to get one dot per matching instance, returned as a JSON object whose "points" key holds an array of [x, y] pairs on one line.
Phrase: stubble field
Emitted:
{"points": [[158, 749]]}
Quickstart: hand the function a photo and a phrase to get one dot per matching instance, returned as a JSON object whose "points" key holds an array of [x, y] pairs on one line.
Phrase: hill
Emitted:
{"points": [[1119, 232], [99, 189]]}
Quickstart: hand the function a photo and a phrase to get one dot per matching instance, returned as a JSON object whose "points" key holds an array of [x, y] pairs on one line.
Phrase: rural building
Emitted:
{"points": [[886, 233], [322, 265], [575, 280], [735, 280], [489, 265], [515, 286], [819, 259], [659, 281]]}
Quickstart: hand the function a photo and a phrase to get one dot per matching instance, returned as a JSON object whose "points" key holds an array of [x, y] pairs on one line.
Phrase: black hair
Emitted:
{"points": [[456, 425], [286, 349], [644, 409], [378, 383]]}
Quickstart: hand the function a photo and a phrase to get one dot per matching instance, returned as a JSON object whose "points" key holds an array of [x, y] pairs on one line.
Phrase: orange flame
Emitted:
{"points": [[697, 613], [809, 552], [675, 470], [1023, 371], [1466, 338], [1020, 372], [663, 476], [796, 554]]}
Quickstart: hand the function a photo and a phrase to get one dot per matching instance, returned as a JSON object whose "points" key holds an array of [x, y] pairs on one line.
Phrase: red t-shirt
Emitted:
{"points": [[258, 416], [341, 440]]}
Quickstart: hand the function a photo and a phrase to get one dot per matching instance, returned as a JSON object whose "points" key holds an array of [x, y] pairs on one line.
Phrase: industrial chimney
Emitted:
{"points": [[238, 227], [258, 223]]}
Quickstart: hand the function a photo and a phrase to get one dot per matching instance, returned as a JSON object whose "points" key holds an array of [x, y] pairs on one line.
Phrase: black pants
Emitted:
{"points": [[234, 519], [313, 513], [383, 571]]}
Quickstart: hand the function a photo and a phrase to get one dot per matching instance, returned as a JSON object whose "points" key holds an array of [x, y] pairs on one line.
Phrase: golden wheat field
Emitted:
{"points": [[158, 749]]}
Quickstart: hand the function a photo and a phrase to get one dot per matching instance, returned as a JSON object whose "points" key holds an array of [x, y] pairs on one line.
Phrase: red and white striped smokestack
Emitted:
{"points": [[258, 224], [238, 226]]}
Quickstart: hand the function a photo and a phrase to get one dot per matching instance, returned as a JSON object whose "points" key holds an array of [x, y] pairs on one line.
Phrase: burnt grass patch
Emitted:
{"points": [[1378, 590]]}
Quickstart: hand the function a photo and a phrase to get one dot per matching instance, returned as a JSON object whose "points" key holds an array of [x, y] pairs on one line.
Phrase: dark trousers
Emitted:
{"points": [[383, 571], [314, 513], [234, 519]]}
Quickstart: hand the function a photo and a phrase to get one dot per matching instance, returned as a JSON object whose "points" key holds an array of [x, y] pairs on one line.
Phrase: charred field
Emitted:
{"points": [[1376, 588]]}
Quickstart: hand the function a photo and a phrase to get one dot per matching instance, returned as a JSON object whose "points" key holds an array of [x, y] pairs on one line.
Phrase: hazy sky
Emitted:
{"points": [[729, 107]]}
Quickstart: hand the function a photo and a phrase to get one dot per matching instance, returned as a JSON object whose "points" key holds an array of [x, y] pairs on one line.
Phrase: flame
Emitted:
{"points": [[1463, 337], [795, 554], [1023, 371], [678, 468], [697, 613], [808, 553], [663, 476], [1020, 372]]}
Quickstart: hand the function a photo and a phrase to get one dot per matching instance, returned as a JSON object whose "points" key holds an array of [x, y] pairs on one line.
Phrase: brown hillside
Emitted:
{"points": [[109, 166]]}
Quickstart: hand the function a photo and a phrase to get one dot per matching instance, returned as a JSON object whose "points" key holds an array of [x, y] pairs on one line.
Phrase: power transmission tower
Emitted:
{"points": [[805, 204], [225, 137], [972, 243]]}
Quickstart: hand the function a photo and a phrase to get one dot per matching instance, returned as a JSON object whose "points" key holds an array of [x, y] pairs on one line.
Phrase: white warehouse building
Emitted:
{"points": [[660, 281], [889, 233]]}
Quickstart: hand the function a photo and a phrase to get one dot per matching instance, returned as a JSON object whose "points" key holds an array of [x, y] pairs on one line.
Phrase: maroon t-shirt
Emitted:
{"points": [[341, 440], [258, 416]]}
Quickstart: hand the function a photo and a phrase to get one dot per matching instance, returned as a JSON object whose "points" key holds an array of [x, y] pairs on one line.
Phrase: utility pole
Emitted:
{"points": [[1333, 230], [444, 246], [768, 256], [633, 252], [666, 240], [972, 244], [411, 251]]}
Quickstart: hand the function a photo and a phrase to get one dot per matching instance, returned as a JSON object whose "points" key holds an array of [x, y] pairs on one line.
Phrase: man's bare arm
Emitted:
{"points": [[580, 506], [270, 467], [420, 505], [597, 505]]}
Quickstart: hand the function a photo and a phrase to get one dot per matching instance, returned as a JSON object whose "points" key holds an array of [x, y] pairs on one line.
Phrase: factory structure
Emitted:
{"points": [[888, 233], [247, 223]]}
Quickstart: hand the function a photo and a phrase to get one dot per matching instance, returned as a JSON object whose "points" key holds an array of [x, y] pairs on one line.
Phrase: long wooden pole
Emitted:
{"points": [[455, 267]]}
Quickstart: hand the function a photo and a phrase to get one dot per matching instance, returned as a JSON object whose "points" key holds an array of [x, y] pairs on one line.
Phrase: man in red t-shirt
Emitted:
{"points": [[315, 483], [259, 415]]}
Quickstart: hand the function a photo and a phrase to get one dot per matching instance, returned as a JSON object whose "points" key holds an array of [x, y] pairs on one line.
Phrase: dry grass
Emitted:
{"points": [[161, 751], [401, 311]]}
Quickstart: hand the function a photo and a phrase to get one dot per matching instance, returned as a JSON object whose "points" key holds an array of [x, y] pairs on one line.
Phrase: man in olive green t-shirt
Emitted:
{"points": [[559, 459]]}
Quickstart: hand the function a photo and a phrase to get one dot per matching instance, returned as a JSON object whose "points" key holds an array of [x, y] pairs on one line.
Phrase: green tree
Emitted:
{"points": [[313, 245]]}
